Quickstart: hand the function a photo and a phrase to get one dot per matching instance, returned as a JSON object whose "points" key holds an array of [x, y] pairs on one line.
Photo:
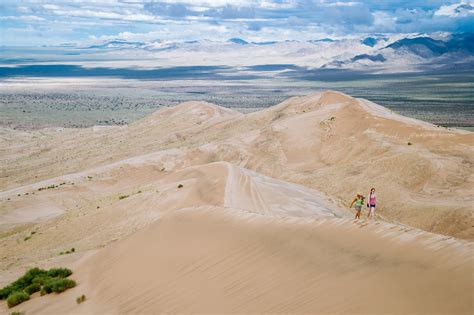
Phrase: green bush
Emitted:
{"points": [[48, 286], [34, 280], [17, 313], [22, 282], [32, 288], [16, 298], [59, 272], [58, 285], [41, 279]]}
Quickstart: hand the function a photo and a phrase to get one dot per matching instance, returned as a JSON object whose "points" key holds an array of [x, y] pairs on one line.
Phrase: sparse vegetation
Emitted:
{"points": [[81, 299], [27, 238], [17, 313], [409, 143], [123, 197], [72, 250], [49, 187], [180, 186], [34, 280]]}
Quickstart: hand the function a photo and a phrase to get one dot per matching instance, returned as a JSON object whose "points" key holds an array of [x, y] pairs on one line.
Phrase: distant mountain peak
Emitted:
{"points": [[322, 40], [372, 41], [239, 41]]}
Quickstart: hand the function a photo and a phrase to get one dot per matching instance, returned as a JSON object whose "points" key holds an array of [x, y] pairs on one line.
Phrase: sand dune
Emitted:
{"points": [[220, 260], [198, 208]]}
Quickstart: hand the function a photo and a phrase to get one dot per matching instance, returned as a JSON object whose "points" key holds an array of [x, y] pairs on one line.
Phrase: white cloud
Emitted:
{"points": [[29, 18], [464, 8]]}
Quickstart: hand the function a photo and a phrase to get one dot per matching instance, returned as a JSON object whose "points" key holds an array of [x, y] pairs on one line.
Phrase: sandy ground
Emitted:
{"points": [[198, 208]]}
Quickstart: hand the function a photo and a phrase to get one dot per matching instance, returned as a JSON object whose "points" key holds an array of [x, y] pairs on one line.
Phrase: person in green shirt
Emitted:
{"points": [[358, 201]]}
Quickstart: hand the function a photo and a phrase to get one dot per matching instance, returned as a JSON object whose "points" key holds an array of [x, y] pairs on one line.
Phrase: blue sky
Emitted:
{"points": [[36, 22]]}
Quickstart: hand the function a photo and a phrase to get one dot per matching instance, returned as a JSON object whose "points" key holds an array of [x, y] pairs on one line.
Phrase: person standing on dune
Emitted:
{"points": [[371, 202], [359, 201]]}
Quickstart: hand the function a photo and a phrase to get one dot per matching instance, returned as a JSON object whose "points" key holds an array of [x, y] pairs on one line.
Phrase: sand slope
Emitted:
{"points": [[220, 260]]}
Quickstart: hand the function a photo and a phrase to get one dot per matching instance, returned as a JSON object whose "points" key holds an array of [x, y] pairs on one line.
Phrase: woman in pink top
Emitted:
{"points": [[371, 203]]}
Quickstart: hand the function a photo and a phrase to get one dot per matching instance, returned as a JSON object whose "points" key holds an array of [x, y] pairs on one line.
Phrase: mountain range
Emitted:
{"points": [[376, 53]]}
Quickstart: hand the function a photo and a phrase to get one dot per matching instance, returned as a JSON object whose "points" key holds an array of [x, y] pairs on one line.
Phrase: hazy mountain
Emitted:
{"points": [[374, 53], [238, 41]]}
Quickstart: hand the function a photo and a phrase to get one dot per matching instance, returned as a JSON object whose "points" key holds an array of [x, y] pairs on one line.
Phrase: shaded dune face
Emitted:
{"points": [[204, 209]]}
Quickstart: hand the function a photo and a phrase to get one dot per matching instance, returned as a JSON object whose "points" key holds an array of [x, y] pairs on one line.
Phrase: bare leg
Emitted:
{"points": [[371, 214]]}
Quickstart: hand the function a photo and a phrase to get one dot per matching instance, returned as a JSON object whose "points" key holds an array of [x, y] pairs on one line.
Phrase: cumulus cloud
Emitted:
{"points": [[461, 9]]}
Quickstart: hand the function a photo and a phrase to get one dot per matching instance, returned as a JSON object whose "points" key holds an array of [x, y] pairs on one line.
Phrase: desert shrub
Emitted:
{"points": [[32, 288], [17, 313], [81, 299], [180, 186], [59, 272], [123, 197], [21, 283], [41, 279], [27, 238], [58, 285], [34, 280], [48, 286], [16, 298], [409, 143], [73, 250]]}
